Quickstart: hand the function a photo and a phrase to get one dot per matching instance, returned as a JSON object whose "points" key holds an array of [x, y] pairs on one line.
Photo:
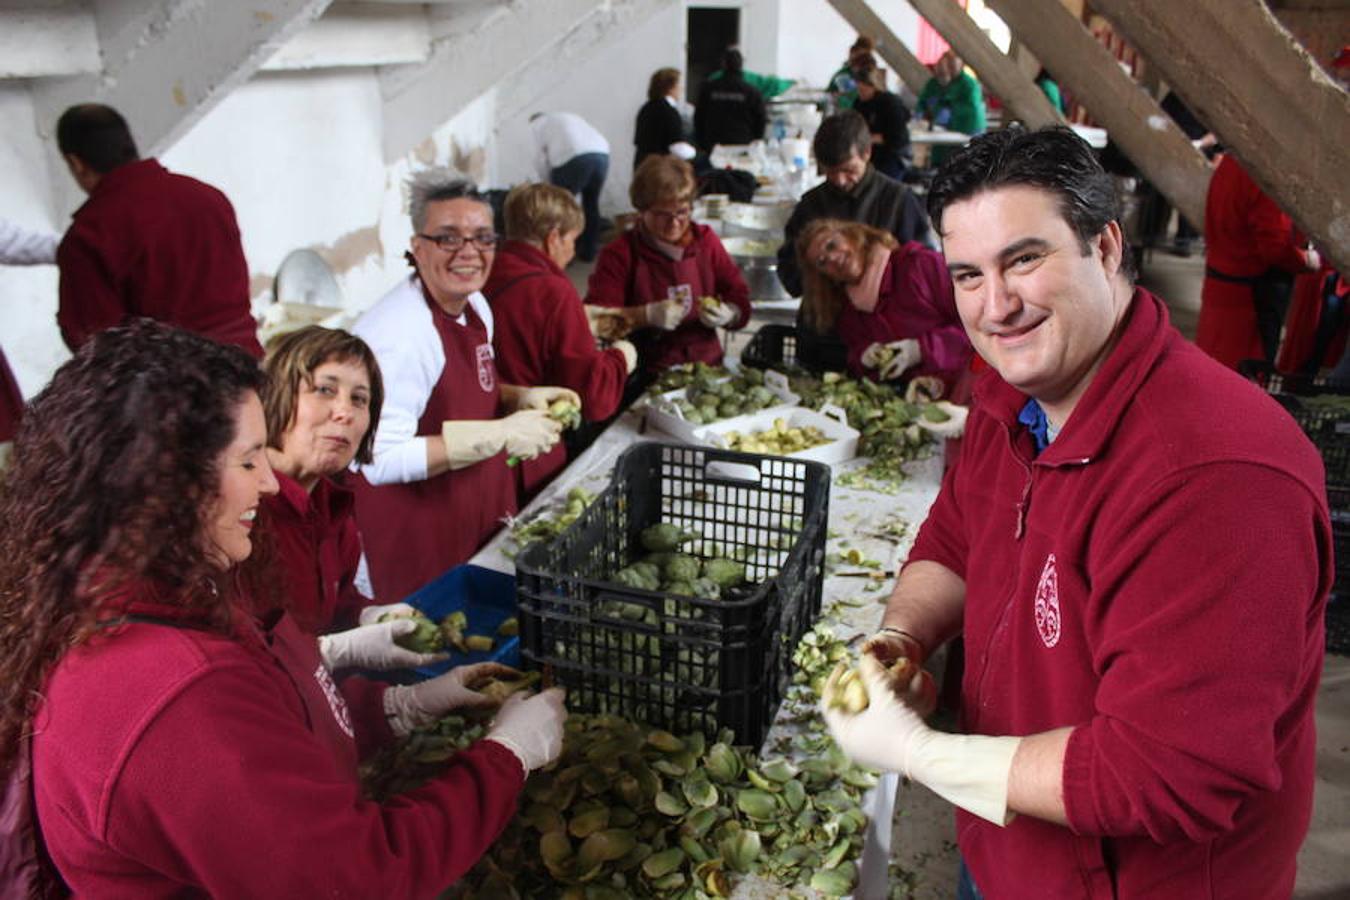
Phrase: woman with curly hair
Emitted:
{"points": [[891, 304], [181, 746]]}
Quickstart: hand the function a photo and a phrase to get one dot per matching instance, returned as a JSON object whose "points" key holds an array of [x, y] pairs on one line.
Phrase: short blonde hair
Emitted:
{"points": [[662, 179], [531, 211]]}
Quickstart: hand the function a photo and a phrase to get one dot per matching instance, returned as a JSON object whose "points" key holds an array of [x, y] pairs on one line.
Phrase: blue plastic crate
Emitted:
{"points": [[487, 597]]}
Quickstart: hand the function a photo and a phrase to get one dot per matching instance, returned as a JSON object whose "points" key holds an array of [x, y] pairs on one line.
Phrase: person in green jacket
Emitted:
{"points": [[767, 85], [1051, 90], [952, 99], [842, 86]]}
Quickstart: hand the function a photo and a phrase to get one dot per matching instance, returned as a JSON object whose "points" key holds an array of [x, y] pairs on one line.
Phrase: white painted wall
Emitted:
{"points": [[607, 90], [28, 293]]}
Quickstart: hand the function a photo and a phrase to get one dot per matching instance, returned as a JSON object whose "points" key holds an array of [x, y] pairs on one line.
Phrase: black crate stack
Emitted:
{"points": [[1311, 401], [676, 662]]}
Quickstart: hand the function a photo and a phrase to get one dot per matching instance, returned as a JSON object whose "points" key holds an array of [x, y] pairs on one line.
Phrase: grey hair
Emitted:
{"points": [[433, 185]]}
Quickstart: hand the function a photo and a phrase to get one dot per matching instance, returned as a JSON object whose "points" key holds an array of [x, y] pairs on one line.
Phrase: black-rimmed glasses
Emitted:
{"points": [[452, 241]]}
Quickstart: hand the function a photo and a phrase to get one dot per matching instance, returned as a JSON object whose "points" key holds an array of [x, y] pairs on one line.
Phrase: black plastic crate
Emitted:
{"points": [[785, 347], [1312, 401], [676, 662]]}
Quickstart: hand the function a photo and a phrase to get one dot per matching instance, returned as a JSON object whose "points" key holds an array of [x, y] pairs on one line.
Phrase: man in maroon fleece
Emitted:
{"points": [[147, 242], [1135, 546]]}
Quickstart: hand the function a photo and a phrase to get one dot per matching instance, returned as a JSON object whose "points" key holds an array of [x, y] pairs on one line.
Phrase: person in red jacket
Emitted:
{"points": [[1251, 249], [1110, 543], [147, 242], [322, 399], [542, 332], [179, 745], [658, 273], [890, 303]]}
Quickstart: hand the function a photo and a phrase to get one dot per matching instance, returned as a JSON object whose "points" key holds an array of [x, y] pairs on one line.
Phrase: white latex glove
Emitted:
{"points": [[665, 314], [373, 647], [371, 614], [531, 727], [923, 388], [629, 354], [893, 358], [719, 316], [970, 771], [608, 323], [526, 434], [954, 427], [410, 706], [918, 691], [541, 397]]}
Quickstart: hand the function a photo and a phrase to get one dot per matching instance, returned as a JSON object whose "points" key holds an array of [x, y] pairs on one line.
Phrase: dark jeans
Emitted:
{"points": [[585, 175], [966, 889]]}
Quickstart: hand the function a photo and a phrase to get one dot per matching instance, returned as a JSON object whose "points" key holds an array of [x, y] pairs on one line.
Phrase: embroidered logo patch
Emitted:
{"points": [[335, 701], [1047, 604], [486, 372]]}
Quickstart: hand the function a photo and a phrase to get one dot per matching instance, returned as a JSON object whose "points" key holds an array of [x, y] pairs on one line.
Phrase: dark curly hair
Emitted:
{"points": [[113, 473], [1053, 158]]}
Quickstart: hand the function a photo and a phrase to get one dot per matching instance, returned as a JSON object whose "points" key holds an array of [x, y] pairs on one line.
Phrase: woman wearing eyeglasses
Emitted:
{"points": [[658, 272], [891, 304], [438, 486]]}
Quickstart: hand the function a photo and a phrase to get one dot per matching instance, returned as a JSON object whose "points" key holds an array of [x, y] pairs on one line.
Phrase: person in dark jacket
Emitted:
{"points": [[729, 110], [887, 121], [853, 190], [659, 125]]}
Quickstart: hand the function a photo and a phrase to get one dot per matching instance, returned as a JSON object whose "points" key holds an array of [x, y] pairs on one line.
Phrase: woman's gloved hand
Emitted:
{"points": [[542, 397], [531, 727], [955, 424], [892, 359], [608, 323], [373, 647], [630, 356], [371, 614], [717, 315], [410, 706], [665, 314], [970, 771], [526, 434]]}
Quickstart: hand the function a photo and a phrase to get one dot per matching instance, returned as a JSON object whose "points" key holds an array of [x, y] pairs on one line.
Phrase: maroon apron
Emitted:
{"points": [[416, 531]]}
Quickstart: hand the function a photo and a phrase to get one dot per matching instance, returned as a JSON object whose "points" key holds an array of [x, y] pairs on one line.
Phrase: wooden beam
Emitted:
{"points": [[1267, 100], [999, 74], [892, 50], [1146, 134], [167, 63]]}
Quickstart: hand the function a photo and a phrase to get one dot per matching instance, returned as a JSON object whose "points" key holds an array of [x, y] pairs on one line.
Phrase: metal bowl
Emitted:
{"points": [[757, 258]]}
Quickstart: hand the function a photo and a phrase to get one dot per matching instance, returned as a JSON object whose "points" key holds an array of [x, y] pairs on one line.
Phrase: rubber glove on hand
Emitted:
{"points": [[531, 727], [607, 323], [919, 691], [893, 358], [970, 771], [373, 647], [542, 397], [665, 314], [410, 706], [371, 614], [526, 434], [924, 388], [720, 315], [629, 354], [954, 427]]}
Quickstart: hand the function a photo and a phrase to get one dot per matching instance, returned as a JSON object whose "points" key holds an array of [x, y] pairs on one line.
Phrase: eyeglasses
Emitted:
{"points": [[452, 241], [682, 214]]}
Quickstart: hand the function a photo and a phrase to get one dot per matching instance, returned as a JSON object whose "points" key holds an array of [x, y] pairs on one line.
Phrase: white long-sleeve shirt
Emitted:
{"points": [[560, 136], [403, 336], [21, 246]]}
